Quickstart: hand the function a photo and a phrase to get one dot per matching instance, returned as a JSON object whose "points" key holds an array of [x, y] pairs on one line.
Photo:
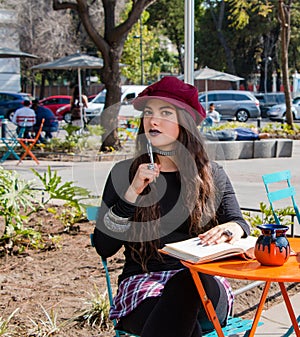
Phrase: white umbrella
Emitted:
{"points": [[13, 53], [212, 74], [75, 61]]}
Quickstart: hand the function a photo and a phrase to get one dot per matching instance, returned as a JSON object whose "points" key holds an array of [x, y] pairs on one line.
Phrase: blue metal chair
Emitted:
{"points": [[11, 142], [276, 193], [235, 325]]}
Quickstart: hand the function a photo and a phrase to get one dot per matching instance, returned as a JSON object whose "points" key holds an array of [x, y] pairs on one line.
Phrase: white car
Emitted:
{"points": [[278, 111], [129, 92]]}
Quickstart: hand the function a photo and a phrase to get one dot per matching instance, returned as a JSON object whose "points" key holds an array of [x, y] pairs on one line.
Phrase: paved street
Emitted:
{"points": [[245, 174]]}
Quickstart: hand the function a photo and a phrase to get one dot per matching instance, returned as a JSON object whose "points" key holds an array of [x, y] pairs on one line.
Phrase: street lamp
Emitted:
{"points": [[267, 59]]}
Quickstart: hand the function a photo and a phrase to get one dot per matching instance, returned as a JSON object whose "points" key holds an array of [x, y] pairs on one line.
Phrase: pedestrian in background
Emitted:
{"points": [[78, 116]]}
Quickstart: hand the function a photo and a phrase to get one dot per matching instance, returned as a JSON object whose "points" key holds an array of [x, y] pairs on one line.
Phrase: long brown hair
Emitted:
{"points": [[196, 180]]}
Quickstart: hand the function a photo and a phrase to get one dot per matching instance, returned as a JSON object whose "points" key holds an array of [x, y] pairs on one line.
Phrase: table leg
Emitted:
{"points": [[209, 308], [289, 308], [259, 309]]}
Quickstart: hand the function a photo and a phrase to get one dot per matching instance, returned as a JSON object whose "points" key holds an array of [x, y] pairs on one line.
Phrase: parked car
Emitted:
{"points": [[129, 92], [277, 112], [232, 104], [267, 100], [55, 102], [11, 101], [64, 112]]}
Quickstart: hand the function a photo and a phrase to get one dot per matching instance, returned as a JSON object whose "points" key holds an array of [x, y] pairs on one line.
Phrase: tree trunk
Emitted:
{"points": [[284, 18], [111, 47]]}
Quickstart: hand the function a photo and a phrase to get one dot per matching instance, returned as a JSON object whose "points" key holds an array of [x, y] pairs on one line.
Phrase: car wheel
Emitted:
{"points": [[67, 117], [242, 116]]}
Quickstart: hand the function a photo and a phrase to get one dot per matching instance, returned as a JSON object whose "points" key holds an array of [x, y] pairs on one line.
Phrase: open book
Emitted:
{"points": [[192, 250]]}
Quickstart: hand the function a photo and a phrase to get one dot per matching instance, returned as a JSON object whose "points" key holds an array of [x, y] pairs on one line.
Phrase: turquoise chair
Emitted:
{"points": [[235, 325], [276, 193]]}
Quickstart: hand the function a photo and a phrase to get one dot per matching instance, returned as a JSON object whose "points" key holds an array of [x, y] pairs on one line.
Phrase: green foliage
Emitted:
{"points": [[241, 9], [48, 327], [76, 140], [18, 201], [149, 45], [96, 310], [276, 130], [266, 216], [15, 194], [5, 331], [55, 189]]}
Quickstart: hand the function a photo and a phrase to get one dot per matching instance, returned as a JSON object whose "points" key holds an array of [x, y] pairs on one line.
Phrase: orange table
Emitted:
{"points": [[250, 270]]}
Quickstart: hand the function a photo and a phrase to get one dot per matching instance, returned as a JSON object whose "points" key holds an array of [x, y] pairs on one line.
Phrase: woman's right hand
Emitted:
{"points": [[143, 177]]}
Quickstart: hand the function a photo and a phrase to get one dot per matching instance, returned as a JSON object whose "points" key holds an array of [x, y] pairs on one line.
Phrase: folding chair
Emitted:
{"points": [[28, 144], [235, 325], [276, 193], [11, 142]]}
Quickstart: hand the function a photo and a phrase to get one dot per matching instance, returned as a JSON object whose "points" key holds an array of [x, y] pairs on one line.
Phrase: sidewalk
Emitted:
{"points": [[276, 321]]}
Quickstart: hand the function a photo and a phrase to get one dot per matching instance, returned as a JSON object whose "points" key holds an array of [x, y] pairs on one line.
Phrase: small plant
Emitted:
{"points": [[48, 327], [5, 331], [96, 311], [55, 189], [267, 216]]}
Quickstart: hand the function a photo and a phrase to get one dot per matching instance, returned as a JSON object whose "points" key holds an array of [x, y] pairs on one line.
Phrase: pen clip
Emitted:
{"points": [[150, 153]]}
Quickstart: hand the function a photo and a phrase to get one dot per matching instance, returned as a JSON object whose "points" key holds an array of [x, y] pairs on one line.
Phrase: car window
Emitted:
{"points": [[296, 100], [100, 98], [241, 97], [129, 96], [224, 97], [63, 101]]}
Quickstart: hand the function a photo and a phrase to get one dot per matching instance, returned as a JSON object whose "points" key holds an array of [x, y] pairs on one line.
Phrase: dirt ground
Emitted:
{"points": [[58, 283]]}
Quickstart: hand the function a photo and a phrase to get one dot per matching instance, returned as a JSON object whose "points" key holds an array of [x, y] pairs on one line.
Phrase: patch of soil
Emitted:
{"points": [[60, 281]]}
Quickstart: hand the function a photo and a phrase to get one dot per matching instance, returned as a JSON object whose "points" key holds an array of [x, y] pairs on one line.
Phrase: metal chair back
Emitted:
{"points": [[277, 193]]}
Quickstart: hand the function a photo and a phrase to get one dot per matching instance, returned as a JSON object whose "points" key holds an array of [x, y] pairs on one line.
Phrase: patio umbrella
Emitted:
{"points": [[212, 74], [75, 61], [12, 53]]}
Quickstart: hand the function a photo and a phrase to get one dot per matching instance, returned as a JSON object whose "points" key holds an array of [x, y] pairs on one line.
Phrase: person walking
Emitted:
{"points": [[157, 198]]}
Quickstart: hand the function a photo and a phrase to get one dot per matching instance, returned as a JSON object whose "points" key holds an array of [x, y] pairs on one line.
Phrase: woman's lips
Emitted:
{"points": [[154, 132]]}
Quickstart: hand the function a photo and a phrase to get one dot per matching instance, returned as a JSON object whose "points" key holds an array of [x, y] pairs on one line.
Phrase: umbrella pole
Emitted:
{"points": [[206, 96], [80, 96]]}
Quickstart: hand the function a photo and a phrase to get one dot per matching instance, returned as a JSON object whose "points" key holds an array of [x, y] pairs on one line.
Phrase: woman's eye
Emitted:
{"points": [[166, 113], [147, 113]]}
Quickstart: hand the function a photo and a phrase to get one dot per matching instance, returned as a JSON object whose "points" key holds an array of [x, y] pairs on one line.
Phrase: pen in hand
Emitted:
{"points": [[150, 153]]}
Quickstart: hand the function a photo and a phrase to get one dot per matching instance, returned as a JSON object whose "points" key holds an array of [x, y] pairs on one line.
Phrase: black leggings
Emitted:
{"points": [[178, 311]]}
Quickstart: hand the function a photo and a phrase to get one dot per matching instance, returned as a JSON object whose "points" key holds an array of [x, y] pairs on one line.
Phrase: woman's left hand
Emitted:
{"points": [[227, 232]]}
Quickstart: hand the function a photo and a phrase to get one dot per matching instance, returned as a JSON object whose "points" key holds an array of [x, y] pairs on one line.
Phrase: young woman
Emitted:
{"points": [[181, 195], [76, 111]]}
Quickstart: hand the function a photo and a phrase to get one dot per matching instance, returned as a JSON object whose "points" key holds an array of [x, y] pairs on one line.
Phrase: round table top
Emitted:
{"points": [[252, 269]]}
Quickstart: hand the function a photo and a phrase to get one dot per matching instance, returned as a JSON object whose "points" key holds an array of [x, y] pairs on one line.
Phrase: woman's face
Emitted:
{"points": [[161, 123]]}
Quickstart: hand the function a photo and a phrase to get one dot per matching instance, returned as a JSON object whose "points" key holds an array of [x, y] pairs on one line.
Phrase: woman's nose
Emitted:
{"points": [[154, 120]]}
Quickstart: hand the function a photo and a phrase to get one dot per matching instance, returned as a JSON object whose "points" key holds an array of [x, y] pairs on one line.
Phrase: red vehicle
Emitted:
{"points": [[64, 112], [55, 102]]}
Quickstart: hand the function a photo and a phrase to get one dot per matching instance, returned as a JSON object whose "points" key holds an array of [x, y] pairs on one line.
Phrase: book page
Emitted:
{"points": [[194, 248]]}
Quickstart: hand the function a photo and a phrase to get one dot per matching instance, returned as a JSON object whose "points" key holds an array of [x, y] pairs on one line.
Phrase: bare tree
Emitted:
{"points": [[110, 43], [284, 13], [47, 34]]}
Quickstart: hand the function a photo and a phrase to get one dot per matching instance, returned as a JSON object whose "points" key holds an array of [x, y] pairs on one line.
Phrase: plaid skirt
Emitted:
{"points": [[134, 289]]}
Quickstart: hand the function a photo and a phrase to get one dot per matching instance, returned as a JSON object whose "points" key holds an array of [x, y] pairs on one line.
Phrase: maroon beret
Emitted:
{"points": [[176, 92]]}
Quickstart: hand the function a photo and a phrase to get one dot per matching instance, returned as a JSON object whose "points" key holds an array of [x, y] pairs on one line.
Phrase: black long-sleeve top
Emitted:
{"points": [[173, 221]]}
